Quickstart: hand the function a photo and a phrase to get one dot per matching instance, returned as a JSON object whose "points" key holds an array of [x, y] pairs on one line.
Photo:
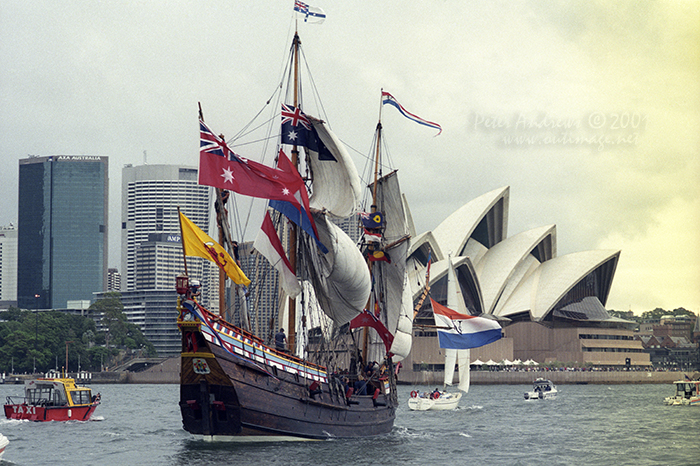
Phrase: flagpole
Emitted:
{"points": [[182, 235]]}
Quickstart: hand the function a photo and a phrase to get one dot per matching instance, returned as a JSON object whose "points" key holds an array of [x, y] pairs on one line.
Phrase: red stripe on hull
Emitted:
{"points": [[40, 413]]}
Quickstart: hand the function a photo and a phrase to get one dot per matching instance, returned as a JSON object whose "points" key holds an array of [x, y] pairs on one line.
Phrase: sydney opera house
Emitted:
{"points": [[551, 307]]}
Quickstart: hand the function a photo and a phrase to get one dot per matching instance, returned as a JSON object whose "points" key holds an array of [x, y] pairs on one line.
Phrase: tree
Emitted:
{"points": [[120, 332], [658, 313], [113, 318], [655, 315]]}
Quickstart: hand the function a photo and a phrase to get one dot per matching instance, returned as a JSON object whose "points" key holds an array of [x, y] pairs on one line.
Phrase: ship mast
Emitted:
{"points": [[373, 209], [291, 322]]}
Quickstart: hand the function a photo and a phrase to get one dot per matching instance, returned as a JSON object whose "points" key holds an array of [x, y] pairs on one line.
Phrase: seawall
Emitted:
{"points": [[558, 377], [168, 372]]}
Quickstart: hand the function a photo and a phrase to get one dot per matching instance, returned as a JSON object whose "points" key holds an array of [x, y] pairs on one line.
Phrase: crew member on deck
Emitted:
{"points": [[281, 340]]}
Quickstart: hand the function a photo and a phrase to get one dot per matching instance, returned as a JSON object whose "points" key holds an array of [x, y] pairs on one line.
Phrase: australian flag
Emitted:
{"points": [[295, 126], [297, 130]]}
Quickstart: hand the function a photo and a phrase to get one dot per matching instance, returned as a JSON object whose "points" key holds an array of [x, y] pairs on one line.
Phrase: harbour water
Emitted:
{"points": [[494, 425]]}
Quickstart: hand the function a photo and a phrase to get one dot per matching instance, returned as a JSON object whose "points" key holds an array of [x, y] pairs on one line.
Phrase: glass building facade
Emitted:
{"points": [[62, 230]]}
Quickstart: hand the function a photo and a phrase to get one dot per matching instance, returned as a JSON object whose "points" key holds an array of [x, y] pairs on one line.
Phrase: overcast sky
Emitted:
{"points": [[589, 111]]}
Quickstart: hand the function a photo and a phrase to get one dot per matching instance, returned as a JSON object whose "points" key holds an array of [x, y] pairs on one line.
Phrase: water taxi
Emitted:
{"points": [[687, 393], [53, 399]]}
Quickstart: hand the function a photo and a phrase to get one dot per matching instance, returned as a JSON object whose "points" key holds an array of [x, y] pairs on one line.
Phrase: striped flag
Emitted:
{"points": [[461, 331], [391, 100]]}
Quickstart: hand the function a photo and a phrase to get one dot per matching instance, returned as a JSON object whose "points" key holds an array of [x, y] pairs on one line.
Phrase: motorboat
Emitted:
{"points": [[542, 389], [687, 393], [53, 399], [436, 400]]}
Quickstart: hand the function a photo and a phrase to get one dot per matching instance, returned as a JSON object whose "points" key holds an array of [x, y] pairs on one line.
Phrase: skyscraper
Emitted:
{"points": [[151, 195], [152, 251], [8, 263], [62, 229]]}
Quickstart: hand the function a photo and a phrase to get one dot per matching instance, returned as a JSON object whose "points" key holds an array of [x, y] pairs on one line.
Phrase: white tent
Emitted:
{"points": [[491, 362], [478, 362]]}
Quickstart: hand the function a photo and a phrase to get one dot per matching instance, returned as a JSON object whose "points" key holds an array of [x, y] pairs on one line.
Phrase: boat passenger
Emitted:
{"points": [[361, 386], [281, 340], [195, 288]]}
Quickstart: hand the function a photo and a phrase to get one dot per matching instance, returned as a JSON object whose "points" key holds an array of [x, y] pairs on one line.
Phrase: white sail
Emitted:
{"points": [[336, 184], [450, 361], [401, 346], [452, 356], [463, 357], [340, 278]]}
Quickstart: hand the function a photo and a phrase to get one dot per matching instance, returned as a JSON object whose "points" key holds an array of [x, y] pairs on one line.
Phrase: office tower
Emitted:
{"points": [[151, 195], [62, 229], [8, 264], [152, 249]]}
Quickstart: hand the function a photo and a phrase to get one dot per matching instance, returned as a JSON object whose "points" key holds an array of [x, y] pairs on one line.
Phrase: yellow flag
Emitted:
{"points": [[199, 244]]}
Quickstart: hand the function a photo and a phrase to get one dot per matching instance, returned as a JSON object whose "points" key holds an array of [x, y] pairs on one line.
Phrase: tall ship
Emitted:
{"points": [[328, 367]]}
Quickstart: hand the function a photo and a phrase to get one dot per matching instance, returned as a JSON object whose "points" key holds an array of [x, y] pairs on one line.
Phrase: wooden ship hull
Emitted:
{"points": [[233, 387]]}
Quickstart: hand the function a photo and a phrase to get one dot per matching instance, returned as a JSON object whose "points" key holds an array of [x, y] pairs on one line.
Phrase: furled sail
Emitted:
{"points": [[395, 244], [340, 278], [389, 277], [336, 184]]}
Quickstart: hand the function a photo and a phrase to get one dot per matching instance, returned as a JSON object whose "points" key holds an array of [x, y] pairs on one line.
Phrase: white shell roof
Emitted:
{"points": [[548, 283], [423, 240], [438, 271], [453, 233], [508, 277], [500, 262]]}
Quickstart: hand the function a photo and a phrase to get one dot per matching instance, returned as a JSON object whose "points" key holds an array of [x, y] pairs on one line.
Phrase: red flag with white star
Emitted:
{"points": [[221, 168]]}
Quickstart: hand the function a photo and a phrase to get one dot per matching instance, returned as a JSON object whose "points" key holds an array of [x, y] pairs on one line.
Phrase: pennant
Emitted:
{"points": [[390, 100], [367, 319], [222, 168], [197, 243], [461, 331], [268, 244]]}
